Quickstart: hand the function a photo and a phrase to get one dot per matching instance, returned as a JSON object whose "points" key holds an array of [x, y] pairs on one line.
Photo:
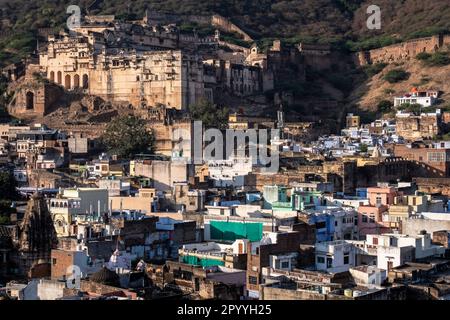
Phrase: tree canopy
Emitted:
{"points": [[211, 115], [7, 186], [127, 136]]}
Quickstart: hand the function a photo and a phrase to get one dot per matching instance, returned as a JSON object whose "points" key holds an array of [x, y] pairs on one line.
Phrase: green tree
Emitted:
{"points": [[4, 219], [8, 186], [385, 106], [127, 136], [396, 75], [211, 115], [363, 148], [414, 108]]}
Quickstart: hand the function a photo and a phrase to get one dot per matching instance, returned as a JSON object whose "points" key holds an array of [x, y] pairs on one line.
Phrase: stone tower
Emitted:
{"points": [[36, 235]]}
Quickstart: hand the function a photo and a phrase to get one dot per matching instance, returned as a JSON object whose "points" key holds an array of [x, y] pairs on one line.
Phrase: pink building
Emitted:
{"points": [[381, 196], [370, 220]]}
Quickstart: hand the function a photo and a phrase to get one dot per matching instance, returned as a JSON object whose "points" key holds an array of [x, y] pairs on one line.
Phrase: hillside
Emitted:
{"points": [[375, 89], [339, 22]]}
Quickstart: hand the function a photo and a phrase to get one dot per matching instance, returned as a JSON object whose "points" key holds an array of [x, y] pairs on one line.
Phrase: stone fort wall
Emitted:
{"points": [[403, 51]]}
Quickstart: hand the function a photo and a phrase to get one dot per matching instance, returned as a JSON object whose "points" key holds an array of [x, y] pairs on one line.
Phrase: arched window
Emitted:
{"points": [[67, 81], [30, 100], [76, 81], [59, 77], [85, 81], [52, 76]]}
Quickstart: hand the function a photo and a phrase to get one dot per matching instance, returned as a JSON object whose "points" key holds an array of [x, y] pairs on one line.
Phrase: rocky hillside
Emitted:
{"points": [[340, 22], [419, 74]]}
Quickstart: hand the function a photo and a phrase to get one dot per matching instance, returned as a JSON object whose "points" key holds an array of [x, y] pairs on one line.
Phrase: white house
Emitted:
{"points": [[424, 98], [393, 250], [368, 276], [335, 256]]}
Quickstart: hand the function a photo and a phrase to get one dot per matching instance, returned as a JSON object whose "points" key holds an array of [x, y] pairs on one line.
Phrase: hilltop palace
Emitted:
{"points": [[141, 64], [146, 64]]}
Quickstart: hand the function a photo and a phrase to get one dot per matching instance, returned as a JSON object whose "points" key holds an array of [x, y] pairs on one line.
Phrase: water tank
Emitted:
{"points": [[348, 293]]}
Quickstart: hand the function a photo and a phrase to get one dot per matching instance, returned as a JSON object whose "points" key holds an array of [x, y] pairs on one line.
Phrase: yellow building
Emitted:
{"points": [[353, 121]]}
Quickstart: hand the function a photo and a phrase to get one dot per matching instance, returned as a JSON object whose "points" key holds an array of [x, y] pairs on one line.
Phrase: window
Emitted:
{"points": [[329, 262], [375, 240], [378, 201], [53, 261], [320, 225], [346, 259], [285, 265], [436, 156], [364, 218], [252, 280], [335, 223], [320, 259], [372, 219]]}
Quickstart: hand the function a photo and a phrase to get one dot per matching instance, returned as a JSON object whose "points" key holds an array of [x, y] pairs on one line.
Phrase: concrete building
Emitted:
{"points": [[163, 174], [352, 121], [115, 186], [424, 98], [335, 256], [69, 203], [430, 222], [215, 282], [208, 254], [430, 162], [392, 250], [146, 201], [63, 262], [417, 127], [369, 276], [276, 248], [230, 172]]}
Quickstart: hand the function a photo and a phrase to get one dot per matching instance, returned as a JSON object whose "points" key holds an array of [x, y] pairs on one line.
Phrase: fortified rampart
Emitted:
{"points": [[404, 50]]}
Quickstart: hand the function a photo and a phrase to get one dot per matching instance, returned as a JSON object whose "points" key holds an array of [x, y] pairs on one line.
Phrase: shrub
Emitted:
{"points": [[374, 69], [438, 59], [434, 60], [396, 75], [414, 108], [363, 147], [385, 106], [423, 56]]}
